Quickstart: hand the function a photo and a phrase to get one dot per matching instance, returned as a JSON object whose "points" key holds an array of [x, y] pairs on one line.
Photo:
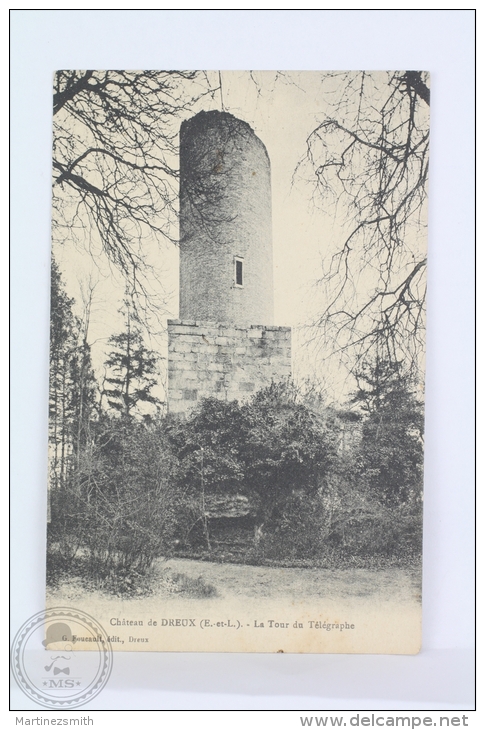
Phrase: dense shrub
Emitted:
{"points": [[297, 533], [122, 512], [292, 486], [265, 449]]}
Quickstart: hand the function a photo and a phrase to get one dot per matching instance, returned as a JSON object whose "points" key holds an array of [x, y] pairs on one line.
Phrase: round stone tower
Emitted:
{"points": [[226, 261]]}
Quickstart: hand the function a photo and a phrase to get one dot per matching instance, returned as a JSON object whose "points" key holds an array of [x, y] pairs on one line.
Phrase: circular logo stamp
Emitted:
{"points": [[62, 658]]}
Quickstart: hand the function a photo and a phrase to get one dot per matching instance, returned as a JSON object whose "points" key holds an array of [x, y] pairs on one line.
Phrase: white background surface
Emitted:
{"points": [[440, 41]]}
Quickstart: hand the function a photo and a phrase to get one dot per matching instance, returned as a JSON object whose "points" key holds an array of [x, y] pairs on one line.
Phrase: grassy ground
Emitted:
{"points": [[190, 579]]}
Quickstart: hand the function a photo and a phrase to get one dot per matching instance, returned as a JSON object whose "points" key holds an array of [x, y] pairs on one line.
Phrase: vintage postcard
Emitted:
{"points": [[236, 425]]}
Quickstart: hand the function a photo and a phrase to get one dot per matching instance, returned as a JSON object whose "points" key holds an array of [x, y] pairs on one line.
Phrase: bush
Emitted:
{"points": [[296, 533], [188, 586], [265, 449], [358, 524], [119, 512]]}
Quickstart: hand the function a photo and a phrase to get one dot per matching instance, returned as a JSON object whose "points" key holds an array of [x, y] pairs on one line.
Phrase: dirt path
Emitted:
{"points": [[248, 581], [257, 583]]}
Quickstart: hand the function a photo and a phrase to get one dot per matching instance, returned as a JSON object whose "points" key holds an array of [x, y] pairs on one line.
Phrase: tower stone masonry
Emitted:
{"points": [[224, 344]]}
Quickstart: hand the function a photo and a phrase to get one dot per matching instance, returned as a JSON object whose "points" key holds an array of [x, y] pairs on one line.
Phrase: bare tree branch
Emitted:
{"points": [[369, 158], [115, 159]]}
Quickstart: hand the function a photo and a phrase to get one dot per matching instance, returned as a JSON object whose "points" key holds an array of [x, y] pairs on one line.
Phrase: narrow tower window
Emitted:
{"points": [[238, 272]]}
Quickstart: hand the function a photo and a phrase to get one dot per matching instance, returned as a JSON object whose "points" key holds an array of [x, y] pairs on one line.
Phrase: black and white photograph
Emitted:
{"points": [[237, 349]]}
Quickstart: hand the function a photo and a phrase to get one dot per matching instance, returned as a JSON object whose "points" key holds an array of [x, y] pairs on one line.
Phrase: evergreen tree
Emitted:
{"points": [[72, 388], [391, 451], [131, 368], [62, 349]]}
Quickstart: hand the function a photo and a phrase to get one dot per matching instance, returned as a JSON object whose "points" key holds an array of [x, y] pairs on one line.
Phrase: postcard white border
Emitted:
{"points": [[440, 41]]}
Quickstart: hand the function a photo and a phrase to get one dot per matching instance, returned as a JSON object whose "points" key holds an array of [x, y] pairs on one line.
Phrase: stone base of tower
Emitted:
{"points": [[224, 361]]}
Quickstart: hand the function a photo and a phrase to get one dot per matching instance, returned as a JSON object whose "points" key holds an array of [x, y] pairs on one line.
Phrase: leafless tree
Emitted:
{"points": [[115, 159], [368, 159]]}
